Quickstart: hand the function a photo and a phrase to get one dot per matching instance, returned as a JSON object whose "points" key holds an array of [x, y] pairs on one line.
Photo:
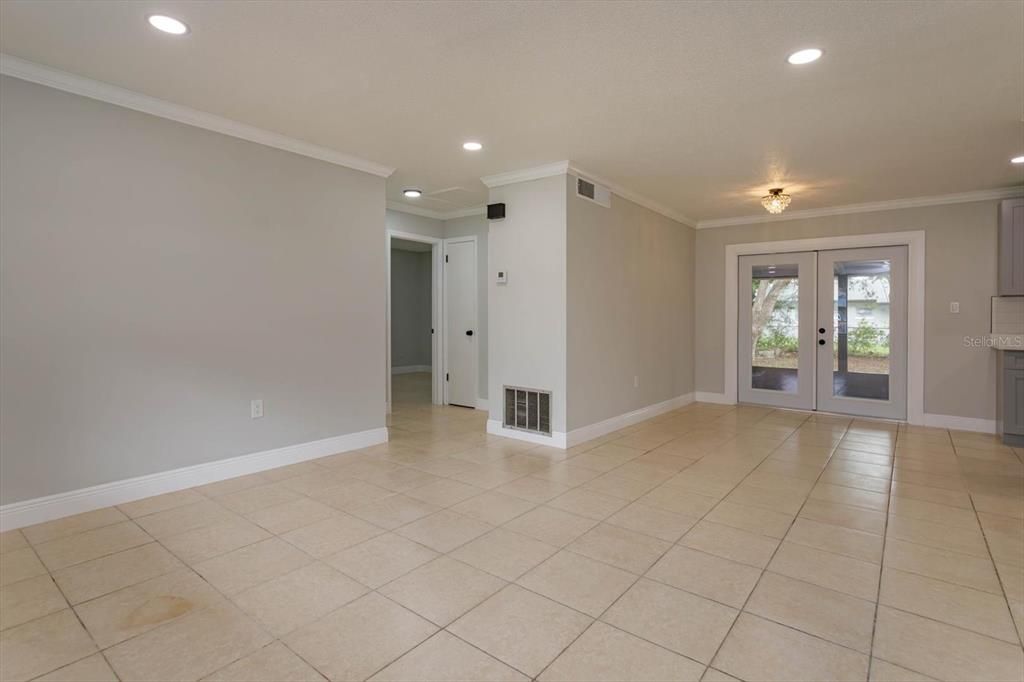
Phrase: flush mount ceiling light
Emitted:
{"points": [[412, 193], [775, 202], [168, 24], [472, 146], [1017, 159], [800, 57]]}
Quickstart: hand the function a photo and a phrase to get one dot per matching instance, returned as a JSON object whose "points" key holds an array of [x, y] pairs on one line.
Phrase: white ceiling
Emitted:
{"points": [[689, 104]]}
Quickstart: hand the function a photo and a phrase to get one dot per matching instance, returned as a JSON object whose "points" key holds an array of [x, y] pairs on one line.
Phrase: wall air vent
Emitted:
{"points": [[596, 193], [528, 409]]}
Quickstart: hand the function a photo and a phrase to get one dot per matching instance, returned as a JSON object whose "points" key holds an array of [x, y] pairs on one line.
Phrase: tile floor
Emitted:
{"points": [[710, 543]]}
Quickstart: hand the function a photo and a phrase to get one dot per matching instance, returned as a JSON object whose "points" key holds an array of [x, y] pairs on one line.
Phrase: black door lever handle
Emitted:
{"points": [[469, 332]]}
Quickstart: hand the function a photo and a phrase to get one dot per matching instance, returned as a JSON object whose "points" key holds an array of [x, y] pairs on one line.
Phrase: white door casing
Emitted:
{"points": [[460, 321]]}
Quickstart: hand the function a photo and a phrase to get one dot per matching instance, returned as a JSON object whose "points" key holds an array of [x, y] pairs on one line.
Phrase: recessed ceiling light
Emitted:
{"points": [[412, 193], [168, 24], [1017, 159], [811, 54], [472, 146]]}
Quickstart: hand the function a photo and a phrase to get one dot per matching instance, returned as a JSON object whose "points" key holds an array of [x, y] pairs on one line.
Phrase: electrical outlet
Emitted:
{"points": [[954, 307], [636, 382], [256, 409]]}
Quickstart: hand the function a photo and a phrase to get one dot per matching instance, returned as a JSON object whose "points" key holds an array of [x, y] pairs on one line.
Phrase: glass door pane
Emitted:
{"points": [[775, 327]]}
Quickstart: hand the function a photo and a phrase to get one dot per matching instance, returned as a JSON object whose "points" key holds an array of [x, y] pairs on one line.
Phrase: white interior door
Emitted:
{"points": [[776, 329], [460, 322], [862, 332]]}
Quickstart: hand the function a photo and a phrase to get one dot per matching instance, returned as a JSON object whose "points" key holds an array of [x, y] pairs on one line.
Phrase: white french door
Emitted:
{"points": [[825, 330]]}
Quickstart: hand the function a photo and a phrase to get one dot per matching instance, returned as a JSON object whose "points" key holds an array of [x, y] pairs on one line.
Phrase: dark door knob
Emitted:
{"points": [[469, 332], [821, 330], [821, 342]]}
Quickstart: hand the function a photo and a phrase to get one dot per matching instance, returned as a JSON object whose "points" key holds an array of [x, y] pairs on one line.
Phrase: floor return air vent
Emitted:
{"points": [[528, 409]]}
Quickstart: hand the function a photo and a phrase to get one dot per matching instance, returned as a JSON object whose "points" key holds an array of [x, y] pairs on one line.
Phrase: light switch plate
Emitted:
{"points": [[501, 277], [954, 307], [256, 409]]}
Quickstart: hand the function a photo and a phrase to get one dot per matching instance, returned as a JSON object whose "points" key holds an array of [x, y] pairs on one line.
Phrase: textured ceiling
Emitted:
{"points": [[690, 104]]}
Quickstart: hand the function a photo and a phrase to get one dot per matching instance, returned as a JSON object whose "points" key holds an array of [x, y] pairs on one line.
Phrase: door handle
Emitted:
{"points": [[821, 330], [821, 342], [469, 332]]}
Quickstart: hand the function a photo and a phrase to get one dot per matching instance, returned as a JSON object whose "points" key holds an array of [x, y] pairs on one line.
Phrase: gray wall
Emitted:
{"points": [[416, 224], [462, 227], [960, 265], [630, 305], [526, 317], [410, 308], [157, 277]]}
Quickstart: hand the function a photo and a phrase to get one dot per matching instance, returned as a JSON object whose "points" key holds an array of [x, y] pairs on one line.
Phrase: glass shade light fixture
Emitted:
{"points": [[775, 202], [412, 193]]}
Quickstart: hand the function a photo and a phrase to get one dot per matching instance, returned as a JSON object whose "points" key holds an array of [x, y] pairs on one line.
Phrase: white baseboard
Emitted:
{"points": [[718, 398], [591, 431], [410, 369], [483, 404], [948, 421], [555, 440], [40, 509]]}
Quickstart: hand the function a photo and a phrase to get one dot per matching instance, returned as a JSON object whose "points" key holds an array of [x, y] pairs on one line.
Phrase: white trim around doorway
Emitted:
{"points": [[437, 305], [915, 243]]}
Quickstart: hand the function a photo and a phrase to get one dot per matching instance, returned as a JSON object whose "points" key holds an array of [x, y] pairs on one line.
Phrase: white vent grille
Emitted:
{"points": [[591, 192], [528, 409]]}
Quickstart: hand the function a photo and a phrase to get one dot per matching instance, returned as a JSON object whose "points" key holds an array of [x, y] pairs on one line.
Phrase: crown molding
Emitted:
{"points": [[870, 207], [112, 94], [436, 215], [630, 195], [536, 173]]}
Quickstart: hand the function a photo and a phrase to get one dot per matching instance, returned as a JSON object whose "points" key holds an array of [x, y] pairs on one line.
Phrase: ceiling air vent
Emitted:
{"points": [[528, 409], [596, 193]]}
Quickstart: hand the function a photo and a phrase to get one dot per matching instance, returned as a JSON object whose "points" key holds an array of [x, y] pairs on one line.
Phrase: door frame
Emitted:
{"points": [[476, 314], [437, 310], [914, 240]]}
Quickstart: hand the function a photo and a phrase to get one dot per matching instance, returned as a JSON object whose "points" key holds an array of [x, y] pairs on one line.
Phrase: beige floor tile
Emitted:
{"points": [[331, 535], [399, 479], [251, 565], [133, 610], [589, 503], [159, 503], [273, 663], [935, 513], [762, 650], [964, 607], [212, 638], [95, 578], [442, 590], [730, 543], [359, 639], [944, 651], [493, 507], [712, 675], [444, 492], [955, 539], [90, 669], [258, 497], [352, 495], [567, 473], [825, 613], [615, 484], [282, 518], [504, 553], [680, 621], [853, 497], [578, 582], [996, 504], [952, 498], [678, 500], [11, 540], [536, 490], [200, 544], [443, 658], [852, 480], [29, 599], [232, 485], [941, 564], [606, 654], [90, 544], [444, 531], [19, 564], [826, 569], [72, 525], [773, 500], [522, 629], [552, 526], [709, 576], [394, 511], [752, 519], [295, 599], [658, 523], [381, 560], [843, 515], [293, 470], [626, 549], [42, 645], [187, 517], [1012, 578], [847, 541], [883, 671]]}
